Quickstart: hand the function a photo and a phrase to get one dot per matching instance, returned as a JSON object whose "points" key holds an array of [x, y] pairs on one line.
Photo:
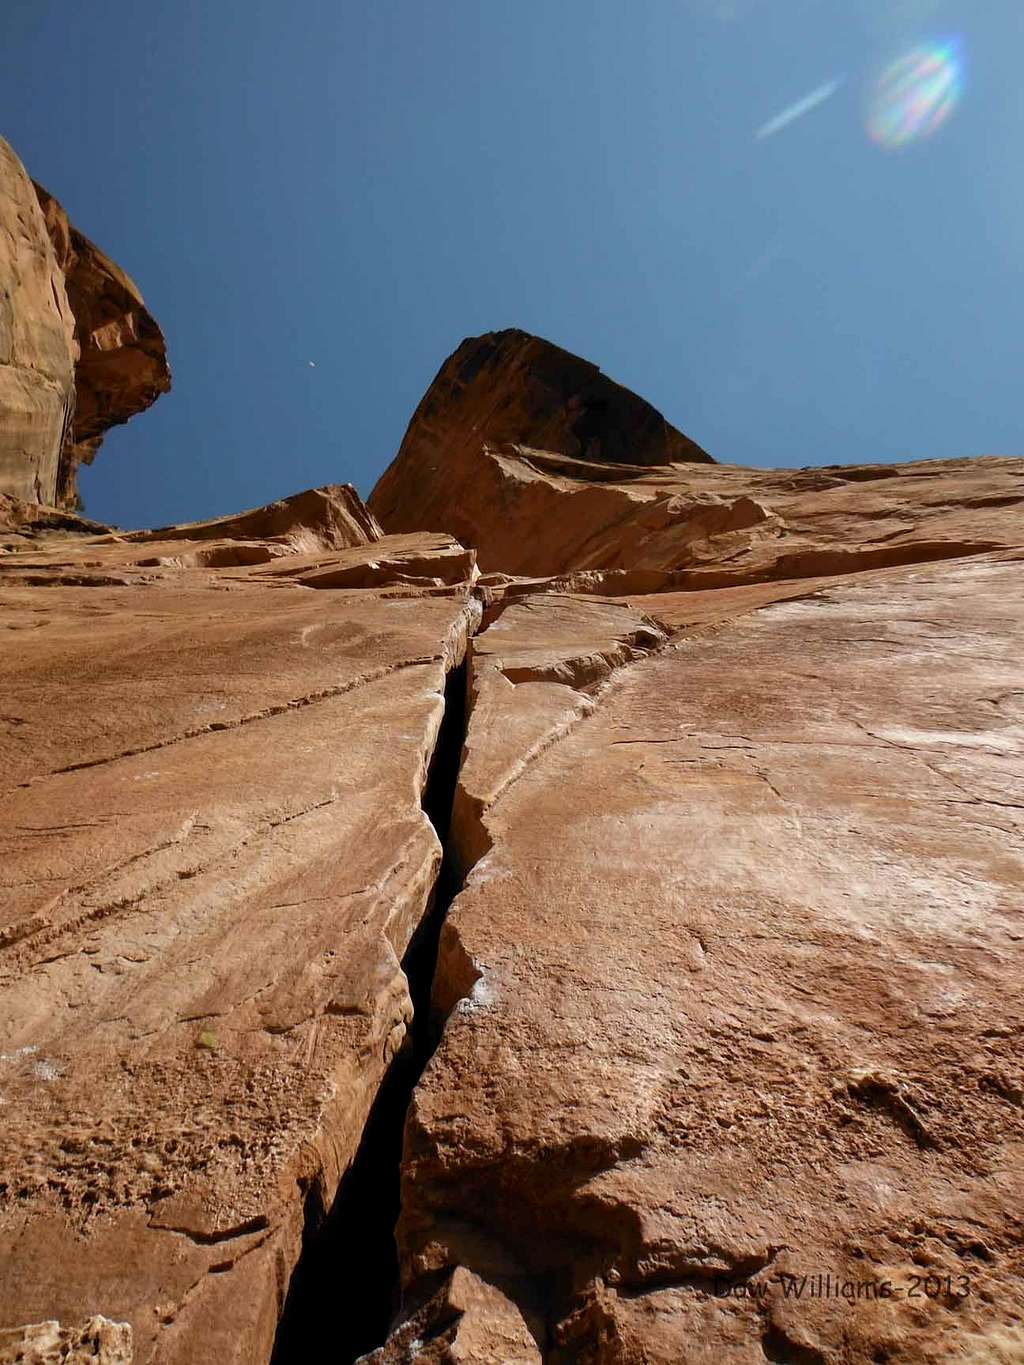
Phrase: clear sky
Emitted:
{"points": [[796, 226]]}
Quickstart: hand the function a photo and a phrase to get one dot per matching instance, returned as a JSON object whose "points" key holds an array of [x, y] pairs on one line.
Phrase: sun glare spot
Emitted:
{"points": [[915, 96]]}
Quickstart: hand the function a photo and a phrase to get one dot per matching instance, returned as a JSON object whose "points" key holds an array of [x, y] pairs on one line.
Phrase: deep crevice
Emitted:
{"points": [[345, 1286]]}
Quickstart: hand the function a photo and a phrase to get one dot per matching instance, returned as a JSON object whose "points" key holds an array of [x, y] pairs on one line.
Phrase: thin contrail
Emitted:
{"points": [[795, 111]]}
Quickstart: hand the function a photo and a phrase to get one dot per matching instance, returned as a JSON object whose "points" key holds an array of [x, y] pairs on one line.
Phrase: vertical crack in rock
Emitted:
{"points": [[345, 1286]]}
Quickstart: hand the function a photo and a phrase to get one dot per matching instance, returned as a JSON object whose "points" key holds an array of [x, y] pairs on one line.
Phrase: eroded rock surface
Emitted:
{"points": [[732, 992], [37, 346], [96, 1342], [214, 857], [122, 363], [79, 351], [620, 529], [511, 386], [466, 1321], [727, 925], [547, 468]]}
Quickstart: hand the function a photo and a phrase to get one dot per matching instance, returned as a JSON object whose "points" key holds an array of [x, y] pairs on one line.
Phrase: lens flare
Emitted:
{"points": [[916, 95]]}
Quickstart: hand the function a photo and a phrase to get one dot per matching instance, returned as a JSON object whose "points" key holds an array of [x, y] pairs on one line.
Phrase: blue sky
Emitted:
{"points": [[362, 184]]}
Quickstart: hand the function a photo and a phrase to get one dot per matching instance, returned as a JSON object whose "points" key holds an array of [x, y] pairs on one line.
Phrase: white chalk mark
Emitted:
{"points": [[797, 110]]}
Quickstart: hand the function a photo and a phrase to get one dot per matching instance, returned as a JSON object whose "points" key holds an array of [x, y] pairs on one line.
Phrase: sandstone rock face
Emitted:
{"points": [[620, 529], [214, 857], [547, 468], [684, 951], [79, 352], [37, 347], [730, 989], [467, 1320], [511, 386], [122, 365], [329, 518]]}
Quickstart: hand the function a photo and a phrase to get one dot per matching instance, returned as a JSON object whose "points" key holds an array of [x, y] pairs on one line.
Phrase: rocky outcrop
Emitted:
{"points": [[512, 387], [37, 347], [122, 363], [498, 455], [616, 529], [329, 518], [637, 922], [466, 1321], [729, 990], [79, 352], [215, 858]]}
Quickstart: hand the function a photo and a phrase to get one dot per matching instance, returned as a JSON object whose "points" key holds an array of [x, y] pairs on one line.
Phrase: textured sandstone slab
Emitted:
{"points": [[421, 560], [122, 364], [323, 538], [213, 857], [31, 525], [37, 347], [736, 995], [534, 674], [627, 529], [329, 518]]}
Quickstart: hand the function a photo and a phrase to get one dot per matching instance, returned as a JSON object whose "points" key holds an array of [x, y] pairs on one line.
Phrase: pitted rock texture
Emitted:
{"points": [[731, 993], [122, 364], [97, 1342], [214, 857], [37, 346]]}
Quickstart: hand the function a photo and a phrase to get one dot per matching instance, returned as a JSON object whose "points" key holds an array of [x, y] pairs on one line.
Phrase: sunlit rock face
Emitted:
{"points": [[511, 451], [635, 926], [213, 858], [513, 387], [79, 352], [122, 365], [729, 984], [37, 346]]}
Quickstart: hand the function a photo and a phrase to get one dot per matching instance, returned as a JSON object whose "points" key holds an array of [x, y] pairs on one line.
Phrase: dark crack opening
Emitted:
{"points": [[345, 1286]]}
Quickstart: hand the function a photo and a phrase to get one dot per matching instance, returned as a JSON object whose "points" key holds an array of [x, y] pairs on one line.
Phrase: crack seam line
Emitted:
{"points": [[556, 736], [217, 727]]}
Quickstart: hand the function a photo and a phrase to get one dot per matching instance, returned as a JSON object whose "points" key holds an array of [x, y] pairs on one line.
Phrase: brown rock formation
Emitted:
{"points": [[466, 1321], [97, 1342], [214, 859], [686, 952], [510, 386], [615, 529], [79, 352], [730, 995], [37, 349], [494, 455], [122, 365]]}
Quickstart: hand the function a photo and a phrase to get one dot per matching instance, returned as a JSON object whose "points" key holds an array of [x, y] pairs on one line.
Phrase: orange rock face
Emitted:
{"points": [[502, 387], [662, 981], [122, 363], [79, 352], [730, 988], [213, 864], [37, 348], [494, 455]]}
